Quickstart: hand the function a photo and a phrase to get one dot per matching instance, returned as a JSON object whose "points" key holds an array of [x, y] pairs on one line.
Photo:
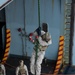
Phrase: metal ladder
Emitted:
{"points": [[67, 23]]}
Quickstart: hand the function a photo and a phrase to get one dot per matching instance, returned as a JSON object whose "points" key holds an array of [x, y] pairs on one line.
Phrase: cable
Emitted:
{"points": [[39, 12], [37, 43], [10, 65], [25, 28]]}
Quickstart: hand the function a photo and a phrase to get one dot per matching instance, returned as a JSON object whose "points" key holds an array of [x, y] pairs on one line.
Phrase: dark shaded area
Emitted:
{"points": [[71, 32], [45, 27], [2, 50], [73, 1], [1, 45], [2, 34], [13, 62], [69, 70]]}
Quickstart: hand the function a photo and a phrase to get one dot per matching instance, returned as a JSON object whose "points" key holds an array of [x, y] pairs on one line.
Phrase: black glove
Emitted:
{"points": [[38, 30]]}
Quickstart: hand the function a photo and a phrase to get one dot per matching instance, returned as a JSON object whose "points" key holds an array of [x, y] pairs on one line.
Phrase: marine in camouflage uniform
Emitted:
{"points": [[22, 69], [44, 42], [2, 69]]}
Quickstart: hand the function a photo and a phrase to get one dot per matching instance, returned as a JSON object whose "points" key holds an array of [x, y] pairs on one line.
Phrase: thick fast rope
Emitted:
{"points": [[25, 29], [36, 50], [37, 42], [10, 65], [52, 5], [39, 12], [60, 6]]}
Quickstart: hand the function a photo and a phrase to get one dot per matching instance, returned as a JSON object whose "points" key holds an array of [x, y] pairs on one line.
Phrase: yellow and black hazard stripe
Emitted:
{"points": [[60, 55], [8, 39]]}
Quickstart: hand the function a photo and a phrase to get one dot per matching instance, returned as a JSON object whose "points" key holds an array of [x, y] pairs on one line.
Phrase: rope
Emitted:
{"points": [[22, 43], [10, 65], [25, 28], [52, 5], [60, 6], [39, 12], [36, 50], [37, 43]]}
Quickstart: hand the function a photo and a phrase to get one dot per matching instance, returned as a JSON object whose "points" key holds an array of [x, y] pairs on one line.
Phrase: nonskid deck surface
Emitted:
{"points": [[13, 62], [70, 70], [47, 67]]}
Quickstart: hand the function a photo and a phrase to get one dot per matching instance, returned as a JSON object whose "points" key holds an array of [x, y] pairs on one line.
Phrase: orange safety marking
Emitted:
{"points": [[8, 45], [60, 55], [8, 39]]}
